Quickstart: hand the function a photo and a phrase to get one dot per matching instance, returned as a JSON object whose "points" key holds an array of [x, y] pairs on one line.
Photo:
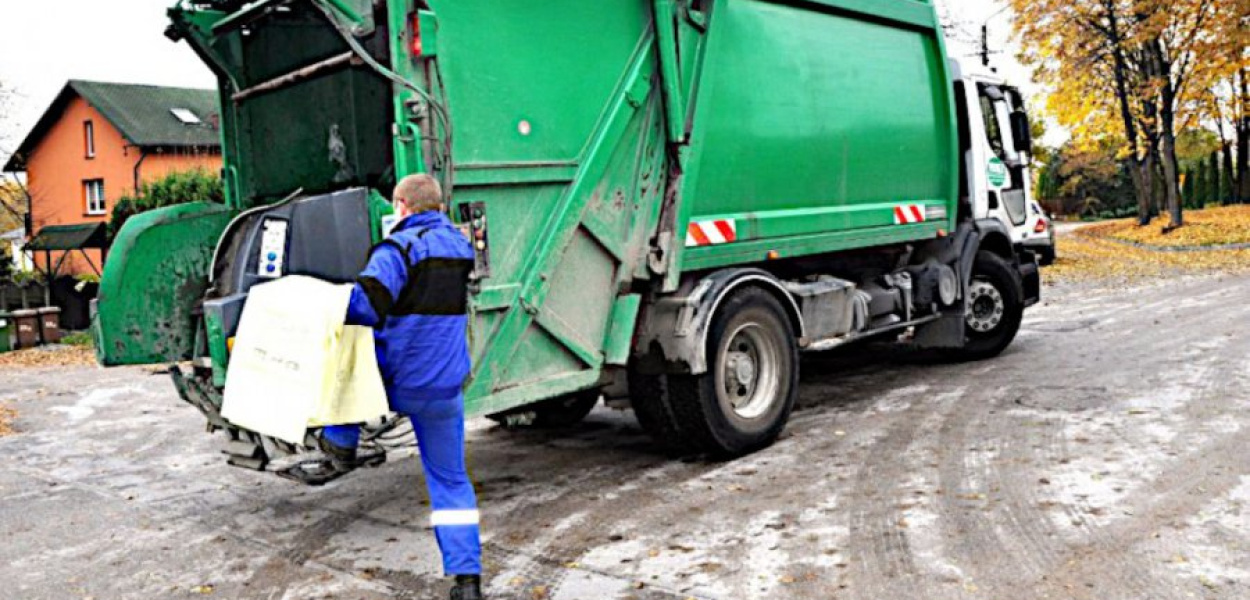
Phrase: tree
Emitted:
{"points": [[1187, 189], [1081, 48], [1201, 188], [1216, 178], [1133, 70], [15, 201], [1083, 181], [173, 189]]}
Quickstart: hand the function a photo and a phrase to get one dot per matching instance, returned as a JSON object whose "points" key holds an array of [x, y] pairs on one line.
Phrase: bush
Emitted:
{"points": [[79, 338], [177, 188]]}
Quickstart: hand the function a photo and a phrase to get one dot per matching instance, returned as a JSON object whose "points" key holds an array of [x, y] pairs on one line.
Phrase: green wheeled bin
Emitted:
{"points": [[7, 329]]}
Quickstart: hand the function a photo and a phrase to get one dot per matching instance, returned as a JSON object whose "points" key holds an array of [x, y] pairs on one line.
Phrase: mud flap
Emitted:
{"points": [[1031, 277]]}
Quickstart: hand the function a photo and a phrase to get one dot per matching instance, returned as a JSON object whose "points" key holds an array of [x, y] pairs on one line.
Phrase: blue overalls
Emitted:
{"points": [[414, 292]]}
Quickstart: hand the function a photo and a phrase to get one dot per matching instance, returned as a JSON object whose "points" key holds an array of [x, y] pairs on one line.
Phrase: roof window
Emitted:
{"points": [[186, 116]]}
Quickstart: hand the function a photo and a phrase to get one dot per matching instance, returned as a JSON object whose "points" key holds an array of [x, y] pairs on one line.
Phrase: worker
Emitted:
{"points": [[414, 293]]}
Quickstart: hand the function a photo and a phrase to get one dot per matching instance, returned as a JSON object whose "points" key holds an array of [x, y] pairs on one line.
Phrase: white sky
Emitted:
{"points": [[43, 44]]}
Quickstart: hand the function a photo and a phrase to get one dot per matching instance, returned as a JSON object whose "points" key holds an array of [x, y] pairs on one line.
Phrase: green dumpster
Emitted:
{"points": [[6, 332]]}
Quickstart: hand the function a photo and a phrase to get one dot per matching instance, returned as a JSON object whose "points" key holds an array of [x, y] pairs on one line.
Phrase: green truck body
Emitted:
{"points": [[615, 159]]}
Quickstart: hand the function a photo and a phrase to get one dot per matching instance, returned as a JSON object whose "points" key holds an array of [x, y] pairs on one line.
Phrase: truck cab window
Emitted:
{"points": [[996, 113], [1002, 113], [993, 133]]}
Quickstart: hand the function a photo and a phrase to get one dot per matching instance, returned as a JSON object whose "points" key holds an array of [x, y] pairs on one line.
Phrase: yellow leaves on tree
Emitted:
{"points": [[1133, 71]]}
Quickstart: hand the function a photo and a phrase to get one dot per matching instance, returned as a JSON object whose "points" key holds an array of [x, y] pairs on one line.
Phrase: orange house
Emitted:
{"points": [[98, 142]]}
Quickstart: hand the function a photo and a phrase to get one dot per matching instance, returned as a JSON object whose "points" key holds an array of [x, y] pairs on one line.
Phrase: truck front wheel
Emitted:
{"points": [[995, 307], [744, 400]]}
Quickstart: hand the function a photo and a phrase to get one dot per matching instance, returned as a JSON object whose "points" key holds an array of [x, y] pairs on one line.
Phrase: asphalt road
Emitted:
{"points": [[1102, 457]]}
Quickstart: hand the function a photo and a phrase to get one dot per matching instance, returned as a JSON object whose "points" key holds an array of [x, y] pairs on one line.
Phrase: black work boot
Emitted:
{"points": [[468, 587], [342, 459]]}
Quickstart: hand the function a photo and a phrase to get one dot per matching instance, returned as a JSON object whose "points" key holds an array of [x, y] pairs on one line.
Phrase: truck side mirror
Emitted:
{"points": [[1021, 131]]}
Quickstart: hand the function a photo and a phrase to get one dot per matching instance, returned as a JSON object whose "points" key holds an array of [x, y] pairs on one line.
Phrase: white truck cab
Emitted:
{"points": [[997, 149]]}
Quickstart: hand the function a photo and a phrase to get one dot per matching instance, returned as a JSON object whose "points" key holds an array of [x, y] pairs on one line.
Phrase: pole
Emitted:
{"points": [[985, 45]]}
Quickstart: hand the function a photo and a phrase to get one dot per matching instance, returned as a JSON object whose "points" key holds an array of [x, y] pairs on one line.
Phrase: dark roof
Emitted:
{"points": [[70, 237], [142, 113]]}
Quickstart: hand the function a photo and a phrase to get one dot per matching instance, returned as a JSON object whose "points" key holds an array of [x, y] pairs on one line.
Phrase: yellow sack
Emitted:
{"points": [[354, 393], [296, 365]]}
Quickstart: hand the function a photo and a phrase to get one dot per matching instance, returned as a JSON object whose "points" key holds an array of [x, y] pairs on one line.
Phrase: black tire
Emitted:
{"points": [[993, 325], [649, 397], [1046, 256], [699, 411], [556, 413]]}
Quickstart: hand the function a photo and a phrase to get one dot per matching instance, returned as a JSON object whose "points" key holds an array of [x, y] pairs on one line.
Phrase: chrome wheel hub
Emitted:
{"points": [[986, 307], [747, 378]]}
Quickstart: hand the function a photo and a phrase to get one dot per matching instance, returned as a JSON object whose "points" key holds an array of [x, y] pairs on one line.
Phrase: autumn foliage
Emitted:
{"points": [[1135, 73], [1121, 252]]}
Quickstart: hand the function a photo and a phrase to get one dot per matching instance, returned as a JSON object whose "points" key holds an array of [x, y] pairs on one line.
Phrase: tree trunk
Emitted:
{"points": [[1171, 179], [1229, 181], [1243, 142], [1147, 208], [1162, 70], [1141, 169]]}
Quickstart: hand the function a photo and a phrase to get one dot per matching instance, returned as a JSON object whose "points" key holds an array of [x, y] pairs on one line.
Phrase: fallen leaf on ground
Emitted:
{"points": [[49, 356], [1095, 253], [7, 416], [1220, 226]]}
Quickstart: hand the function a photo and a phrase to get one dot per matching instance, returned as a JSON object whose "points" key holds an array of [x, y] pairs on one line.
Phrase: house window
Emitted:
{"points": [[93, 191], [88, 132]]}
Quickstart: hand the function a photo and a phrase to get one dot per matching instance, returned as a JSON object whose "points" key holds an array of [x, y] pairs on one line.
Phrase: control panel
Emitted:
{"points": [[474, 215], [273, 249]]}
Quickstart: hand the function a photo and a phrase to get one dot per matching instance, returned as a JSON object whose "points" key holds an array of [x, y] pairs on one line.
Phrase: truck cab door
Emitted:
{"points": [[998, 172]]}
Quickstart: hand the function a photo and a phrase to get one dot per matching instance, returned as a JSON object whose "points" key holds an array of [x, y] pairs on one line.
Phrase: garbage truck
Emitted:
{"points": [[670, 200]]}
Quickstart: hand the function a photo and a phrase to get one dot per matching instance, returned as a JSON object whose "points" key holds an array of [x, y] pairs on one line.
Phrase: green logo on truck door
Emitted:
{"points": [[997, 172]]}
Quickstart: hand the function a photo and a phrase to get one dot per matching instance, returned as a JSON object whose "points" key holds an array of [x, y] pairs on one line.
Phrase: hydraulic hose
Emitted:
{"points": [[440, 110]]}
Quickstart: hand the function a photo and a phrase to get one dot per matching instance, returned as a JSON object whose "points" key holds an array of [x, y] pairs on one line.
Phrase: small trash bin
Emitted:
{"points": [[27, 324], [7, 330], [50, 325]]}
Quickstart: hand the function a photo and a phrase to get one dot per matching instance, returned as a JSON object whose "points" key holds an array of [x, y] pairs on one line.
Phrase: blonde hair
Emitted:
{"points": [[420, 193]]}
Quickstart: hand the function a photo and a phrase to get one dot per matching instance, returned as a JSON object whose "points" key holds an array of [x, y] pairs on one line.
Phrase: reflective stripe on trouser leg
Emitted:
{"points": [[439, 427]]}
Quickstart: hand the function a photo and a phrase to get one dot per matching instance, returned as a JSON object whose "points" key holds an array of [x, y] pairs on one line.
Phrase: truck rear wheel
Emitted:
{"points": [[744, 400], [995, 307]]}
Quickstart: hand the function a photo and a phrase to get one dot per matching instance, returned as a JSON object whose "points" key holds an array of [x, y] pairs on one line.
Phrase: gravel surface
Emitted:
{"points": [[1102, 457]]}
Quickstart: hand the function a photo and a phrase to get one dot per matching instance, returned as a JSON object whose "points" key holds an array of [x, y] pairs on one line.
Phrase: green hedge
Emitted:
{"points": [[177, 188]]}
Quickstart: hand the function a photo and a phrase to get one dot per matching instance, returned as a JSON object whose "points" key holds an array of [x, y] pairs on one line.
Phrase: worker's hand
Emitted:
{"points": [[467, 232]]}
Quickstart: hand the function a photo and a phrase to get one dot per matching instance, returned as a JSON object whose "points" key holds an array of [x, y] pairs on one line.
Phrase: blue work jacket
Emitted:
{"points": [[414, 293]]}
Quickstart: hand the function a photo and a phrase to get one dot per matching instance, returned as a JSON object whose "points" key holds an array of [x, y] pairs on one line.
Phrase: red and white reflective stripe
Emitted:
{"points": [[711, 233], [908, 214]]}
